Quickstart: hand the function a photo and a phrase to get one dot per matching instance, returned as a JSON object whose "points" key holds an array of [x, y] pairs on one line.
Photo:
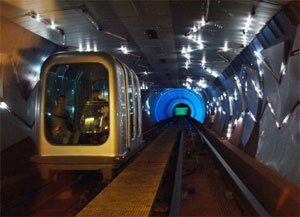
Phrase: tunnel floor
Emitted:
{"points": [[206, 190]]}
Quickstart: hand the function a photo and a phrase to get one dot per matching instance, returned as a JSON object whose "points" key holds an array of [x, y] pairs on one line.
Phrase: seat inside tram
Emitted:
{"points": [[77, 104]]}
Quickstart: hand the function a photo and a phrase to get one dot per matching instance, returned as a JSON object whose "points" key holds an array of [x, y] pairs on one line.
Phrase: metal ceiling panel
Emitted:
{"points": [[172, 20]]}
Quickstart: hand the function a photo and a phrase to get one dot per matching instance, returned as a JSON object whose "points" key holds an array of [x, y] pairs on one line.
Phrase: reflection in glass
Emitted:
{"points": [[76, 104]]}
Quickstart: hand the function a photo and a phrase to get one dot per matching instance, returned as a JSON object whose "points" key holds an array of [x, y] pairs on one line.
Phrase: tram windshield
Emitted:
{"points": [[77, 104]]}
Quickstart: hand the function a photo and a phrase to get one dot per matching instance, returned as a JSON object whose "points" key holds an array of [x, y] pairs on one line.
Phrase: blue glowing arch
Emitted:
{"points": [[163, 103]]}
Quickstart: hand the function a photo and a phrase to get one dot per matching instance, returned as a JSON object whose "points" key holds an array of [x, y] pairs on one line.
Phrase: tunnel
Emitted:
{"points": [[176, 101], [230, 66]]}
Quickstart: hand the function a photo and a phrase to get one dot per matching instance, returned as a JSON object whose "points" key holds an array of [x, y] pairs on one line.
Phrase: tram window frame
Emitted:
{"points": [[122, 96], [131, 104], [77, 106], [137, 105]]}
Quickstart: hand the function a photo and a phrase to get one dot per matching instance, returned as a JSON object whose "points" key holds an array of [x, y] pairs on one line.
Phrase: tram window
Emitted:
{"points": [[131, 104], [77, 104], [136, 97]]}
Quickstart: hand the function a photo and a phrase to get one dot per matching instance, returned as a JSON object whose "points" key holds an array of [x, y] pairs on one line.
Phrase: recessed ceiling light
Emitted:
{"points": [[225, 48]]}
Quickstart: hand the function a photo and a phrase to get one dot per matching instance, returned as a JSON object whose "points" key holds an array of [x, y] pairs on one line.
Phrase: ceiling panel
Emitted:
{"points": [[172, 20]]}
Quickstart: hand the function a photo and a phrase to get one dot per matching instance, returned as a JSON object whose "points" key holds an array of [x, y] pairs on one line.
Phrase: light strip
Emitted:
{"points": [[251, 115], [286, 118], [258, 91]]}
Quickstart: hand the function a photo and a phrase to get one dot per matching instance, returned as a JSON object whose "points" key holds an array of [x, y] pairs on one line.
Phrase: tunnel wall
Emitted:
{"points": [[255, 102], [22, 54]]}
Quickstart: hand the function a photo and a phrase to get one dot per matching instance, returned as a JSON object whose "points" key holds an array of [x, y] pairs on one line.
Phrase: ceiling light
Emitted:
{"points": [[95, 48], [88, 46], [249, 20], [246, 29], [201, 46], [145, 87], [189, 80], [187, 56], [215, 74], [52, 26], [203, 22], [188, 49], [199, 40], [3, 105], [80, 47], [203, 61], [38, 17], [225, 48], [194, 28], [202, 83], [212, 72], [124, 49], [186, 64], [248, 24], [244, 40]]}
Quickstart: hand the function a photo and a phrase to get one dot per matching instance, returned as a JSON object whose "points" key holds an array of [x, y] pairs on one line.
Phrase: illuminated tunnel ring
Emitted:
{"points": [[163, 102]]}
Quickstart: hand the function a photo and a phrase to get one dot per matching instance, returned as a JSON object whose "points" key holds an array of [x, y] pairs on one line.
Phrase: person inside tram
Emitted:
{"points": [[94, 118], [61, 122]]}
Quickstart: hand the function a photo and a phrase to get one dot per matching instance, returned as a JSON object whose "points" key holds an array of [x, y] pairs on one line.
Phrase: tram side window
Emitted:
{"points": [[137, 104], [131, 104], [76, 104]]}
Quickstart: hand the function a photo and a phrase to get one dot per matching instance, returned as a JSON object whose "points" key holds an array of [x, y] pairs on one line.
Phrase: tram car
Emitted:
{"points": [[90, 113]]}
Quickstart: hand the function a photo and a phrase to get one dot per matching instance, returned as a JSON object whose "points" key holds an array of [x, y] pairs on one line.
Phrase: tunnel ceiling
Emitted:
{"points": [[166, 41]]}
